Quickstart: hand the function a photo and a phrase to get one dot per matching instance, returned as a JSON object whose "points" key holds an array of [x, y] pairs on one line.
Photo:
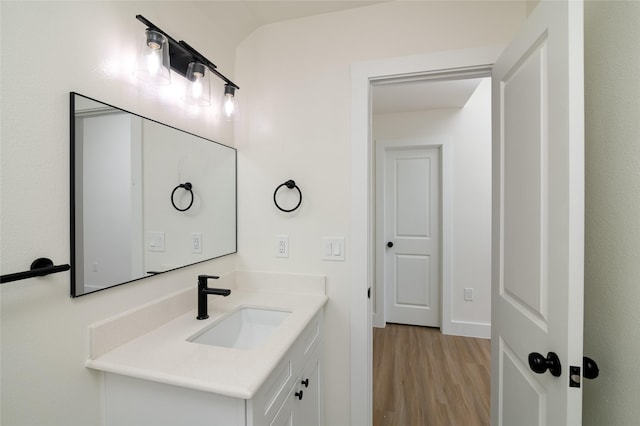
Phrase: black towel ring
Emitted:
{"points": [[187, 186], [289, 184]]}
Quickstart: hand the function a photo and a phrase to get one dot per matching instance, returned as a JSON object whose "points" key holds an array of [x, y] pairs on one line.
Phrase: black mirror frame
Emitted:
{"points": [[72, 197]]}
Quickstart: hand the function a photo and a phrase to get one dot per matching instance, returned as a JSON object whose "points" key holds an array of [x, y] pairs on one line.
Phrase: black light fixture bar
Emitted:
{"points": [[181, 54], [211, 66]]}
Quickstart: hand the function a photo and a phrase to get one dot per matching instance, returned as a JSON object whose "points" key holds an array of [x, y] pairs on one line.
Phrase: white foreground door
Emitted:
{"points": [[412, 235], [538, 225]]}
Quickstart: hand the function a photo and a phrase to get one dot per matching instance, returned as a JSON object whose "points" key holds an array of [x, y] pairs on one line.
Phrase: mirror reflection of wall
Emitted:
{"points": [[125, 170], [171, 159]]}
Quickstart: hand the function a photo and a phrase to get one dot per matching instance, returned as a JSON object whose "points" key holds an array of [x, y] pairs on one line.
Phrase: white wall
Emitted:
{"points": [[296, 124], [469, 130], [612, 240], [49, 49]]}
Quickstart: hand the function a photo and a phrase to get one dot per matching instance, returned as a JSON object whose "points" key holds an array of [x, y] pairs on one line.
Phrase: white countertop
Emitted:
{"points": [[164, 354]]}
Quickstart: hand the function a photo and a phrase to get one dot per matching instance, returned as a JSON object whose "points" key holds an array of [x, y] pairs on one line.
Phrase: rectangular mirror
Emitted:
{"points": [[146, 198]]}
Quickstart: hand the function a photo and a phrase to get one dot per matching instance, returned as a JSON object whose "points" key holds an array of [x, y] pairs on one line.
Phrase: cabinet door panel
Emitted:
{"points": [[284, 417], [307, 409]]}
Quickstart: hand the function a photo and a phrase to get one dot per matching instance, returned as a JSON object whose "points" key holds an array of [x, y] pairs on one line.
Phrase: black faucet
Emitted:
{"points": [[204, 291]]}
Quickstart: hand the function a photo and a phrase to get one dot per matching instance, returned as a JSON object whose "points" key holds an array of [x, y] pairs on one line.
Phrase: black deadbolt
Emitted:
{"points": [[590, 369]]}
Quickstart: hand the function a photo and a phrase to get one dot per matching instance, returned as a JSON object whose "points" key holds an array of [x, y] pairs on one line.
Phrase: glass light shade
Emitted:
{"points": [[153, 59], [229, 103], [198, 87]]}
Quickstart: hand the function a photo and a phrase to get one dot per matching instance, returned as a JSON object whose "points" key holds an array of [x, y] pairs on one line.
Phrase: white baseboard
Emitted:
{"points": [[467, 329], [377, 321], [453, 328]]}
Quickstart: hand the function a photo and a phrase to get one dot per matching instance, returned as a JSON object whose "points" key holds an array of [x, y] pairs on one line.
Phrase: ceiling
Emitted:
{"points": [[422, 95], [239, 18]]}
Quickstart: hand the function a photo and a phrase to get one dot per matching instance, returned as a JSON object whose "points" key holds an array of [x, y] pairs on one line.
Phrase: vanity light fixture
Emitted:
{"points": [[187, 62]]}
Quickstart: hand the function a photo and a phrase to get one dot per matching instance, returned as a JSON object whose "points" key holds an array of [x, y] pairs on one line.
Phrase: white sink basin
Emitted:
{"points": [[245, 328]]}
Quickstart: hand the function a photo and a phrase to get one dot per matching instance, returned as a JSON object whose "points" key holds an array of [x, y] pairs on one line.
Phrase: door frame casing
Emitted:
{"points": [[444, 144], [362, 225]]}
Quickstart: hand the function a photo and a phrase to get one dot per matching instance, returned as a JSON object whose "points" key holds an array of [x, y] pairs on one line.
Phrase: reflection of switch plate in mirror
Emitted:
{"points": [[155, 241], [196, 242], [468, 294], [333, 248]]}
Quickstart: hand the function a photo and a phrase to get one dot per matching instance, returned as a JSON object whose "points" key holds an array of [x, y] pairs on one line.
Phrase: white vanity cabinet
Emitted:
{"points": [[291, 395]]}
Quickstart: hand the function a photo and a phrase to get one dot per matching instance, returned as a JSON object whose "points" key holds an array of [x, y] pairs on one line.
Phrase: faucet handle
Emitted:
{"points": [[205, 277]]}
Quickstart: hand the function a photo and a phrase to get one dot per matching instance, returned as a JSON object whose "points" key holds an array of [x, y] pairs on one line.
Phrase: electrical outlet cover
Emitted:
{"points": [[468, 294], [196, 242], [282, 246]]}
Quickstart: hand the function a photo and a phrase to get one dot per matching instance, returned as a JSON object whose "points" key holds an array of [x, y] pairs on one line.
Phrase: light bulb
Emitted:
{"points": [[229, 107], [198, 90], [153, 63]]}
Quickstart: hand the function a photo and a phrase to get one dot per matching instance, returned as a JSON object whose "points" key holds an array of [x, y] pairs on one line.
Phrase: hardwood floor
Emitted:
{"points": [[422, 377]]}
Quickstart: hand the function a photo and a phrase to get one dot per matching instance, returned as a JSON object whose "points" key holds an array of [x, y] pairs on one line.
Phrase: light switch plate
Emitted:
{"points": [[333, 248], [155, 241]]}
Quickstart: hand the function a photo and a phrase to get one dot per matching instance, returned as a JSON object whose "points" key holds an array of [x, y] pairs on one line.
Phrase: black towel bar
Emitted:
{"points": [[39, 267]]}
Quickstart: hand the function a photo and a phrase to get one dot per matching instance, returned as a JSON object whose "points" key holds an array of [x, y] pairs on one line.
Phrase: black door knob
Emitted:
{"points": [[540, 364], [589, 368], [298, 395], [389, 244]]}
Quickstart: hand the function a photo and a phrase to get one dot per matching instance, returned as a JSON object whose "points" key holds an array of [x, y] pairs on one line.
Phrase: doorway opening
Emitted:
{"points": [[431, 138], [452, 65]]}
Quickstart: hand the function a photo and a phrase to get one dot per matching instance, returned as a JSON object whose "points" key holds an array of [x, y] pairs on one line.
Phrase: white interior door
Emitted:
{"points": [[538, 225], [412, 235]]}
